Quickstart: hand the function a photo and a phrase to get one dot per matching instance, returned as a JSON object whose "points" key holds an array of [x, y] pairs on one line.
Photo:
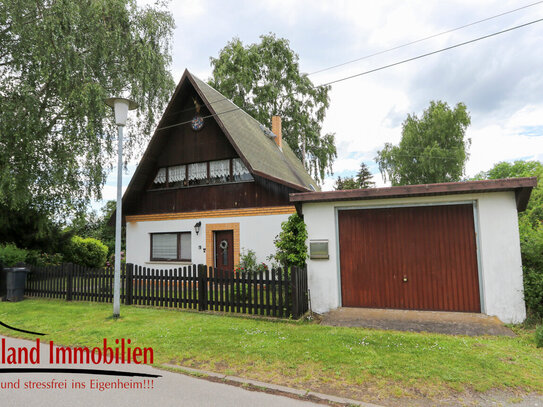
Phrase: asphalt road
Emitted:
{"points": [[172, 389]]}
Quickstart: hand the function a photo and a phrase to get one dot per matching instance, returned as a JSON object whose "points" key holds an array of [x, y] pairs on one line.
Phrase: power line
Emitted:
{"points": [[391, 49], [424, 39], [376, 69], [431, 53]]}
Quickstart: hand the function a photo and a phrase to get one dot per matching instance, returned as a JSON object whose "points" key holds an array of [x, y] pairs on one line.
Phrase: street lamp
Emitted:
{"points": [[121, 107]]}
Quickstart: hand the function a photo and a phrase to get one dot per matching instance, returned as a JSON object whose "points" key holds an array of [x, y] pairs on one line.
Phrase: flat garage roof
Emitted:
{"points": [[521, 186]]}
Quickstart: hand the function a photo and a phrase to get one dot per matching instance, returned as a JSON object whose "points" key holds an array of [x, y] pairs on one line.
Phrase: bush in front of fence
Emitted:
{"points": [[86, 251], [249, 264], [10, 255]]}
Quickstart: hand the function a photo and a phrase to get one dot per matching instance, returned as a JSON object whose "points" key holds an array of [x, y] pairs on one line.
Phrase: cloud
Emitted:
{"points": [[498, 79]]}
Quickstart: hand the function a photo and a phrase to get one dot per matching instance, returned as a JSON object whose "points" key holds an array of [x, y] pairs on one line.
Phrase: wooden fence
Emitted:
{"points": [[277, 293]]}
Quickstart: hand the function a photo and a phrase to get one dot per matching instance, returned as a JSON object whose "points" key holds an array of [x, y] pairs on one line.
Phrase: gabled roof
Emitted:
{"points": [[260, 152], [521, 186]]}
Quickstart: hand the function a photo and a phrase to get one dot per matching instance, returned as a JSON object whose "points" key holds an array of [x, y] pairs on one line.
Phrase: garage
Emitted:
{"points": [[420, 257], [451, 247]]}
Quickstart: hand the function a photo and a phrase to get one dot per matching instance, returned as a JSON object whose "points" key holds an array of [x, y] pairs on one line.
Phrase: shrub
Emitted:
{"points": [[531, 243], [87, 252], [290, 243], [249, 264], [10, 255], [539, 336], [37, 258]]}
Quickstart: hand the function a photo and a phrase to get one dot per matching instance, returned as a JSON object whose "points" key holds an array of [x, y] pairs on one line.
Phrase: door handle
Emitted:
{"points": [[404, 279]]}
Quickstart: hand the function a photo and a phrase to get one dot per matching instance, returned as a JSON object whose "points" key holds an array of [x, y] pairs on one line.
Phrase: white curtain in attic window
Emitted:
{"points": [[238, 168], [160, 176], [197, 171], [177, 173], [219, 169]]}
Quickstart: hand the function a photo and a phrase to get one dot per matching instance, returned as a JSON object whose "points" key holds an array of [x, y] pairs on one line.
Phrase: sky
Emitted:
{"points": [[499, 79]]}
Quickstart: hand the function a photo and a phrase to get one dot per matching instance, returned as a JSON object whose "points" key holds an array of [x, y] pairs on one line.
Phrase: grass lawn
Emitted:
{"points": [[349, 361]]}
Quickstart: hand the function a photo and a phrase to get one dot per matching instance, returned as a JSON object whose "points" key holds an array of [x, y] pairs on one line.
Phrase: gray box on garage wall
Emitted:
{"points": [[318, 249]]}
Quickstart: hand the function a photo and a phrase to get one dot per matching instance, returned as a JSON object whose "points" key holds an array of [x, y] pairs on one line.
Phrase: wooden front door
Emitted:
{"points": [[421, 257], [224, 250]]}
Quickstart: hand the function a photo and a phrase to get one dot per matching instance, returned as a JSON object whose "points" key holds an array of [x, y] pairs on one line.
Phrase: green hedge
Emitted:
{"points": [[531, 242], [86, 252], [10, 255]]}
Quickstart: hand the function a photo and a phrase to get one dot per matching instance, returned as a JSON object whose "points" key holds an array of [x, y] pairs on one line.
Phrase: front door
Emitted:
{"points": [[224, 250]]}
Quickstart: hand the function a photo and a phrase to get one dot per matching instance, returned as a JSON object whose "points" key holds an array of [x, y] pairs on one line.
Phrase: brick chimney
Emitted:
{"points": [[276, 129]]}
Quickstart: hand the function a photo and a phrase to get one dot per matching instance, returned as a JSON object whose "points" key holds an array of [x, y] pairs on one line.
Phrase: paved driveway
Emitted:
{"points": [[450, 323], [171, 389]]}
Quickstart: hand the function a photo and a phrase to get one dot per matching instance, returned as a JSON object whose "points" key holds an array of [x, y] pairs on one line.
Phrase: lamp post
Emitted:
{"points": [[121, 107]]}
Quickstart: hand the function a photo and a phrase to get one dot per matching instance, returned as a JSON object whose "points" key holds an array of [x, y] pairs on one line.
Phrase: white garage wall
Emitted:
{"points": [[498, 244], [256, 233]]}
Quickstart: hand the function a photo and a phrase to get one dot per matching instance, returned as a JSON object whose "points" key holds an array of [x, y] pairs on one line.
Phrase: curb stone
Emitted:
{"points": [[274, 387]]}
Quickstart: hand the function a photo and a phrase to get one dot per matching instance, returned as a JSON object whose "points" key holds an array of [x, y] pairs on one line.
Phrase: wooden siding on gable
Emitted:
{"points": [[259, 193], [182, 145], [185, 145]]}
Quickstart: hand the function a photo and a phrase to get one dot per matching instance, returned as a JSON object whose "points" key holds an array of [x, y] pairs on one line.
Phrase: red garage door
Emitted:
{"points": [[409, 258]]}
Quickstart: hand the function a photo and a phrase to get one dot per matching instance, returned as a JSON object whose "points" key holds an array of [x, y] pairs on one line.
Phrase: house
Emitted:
{"points": [[212, 181], [440, 247]]}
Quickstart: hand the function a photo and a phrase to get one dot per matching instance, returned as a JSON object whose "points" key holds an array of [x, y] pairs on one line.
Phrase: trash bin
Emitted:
{"points": [[2, 282], [15, 282]]}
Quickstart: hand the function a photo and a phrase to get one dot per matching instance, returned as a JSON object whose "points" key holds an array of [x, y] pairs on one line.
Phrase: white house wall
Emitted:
{"points": [[256, 233], [500, 267]]}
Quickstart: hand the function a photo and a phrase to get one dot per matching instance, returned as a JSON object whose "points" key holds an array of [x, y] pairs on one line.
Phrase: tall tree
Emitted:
{"points": [[364, 176], [345, 183], [361, 181], [432, 149], [59, 59], [264, 79]]}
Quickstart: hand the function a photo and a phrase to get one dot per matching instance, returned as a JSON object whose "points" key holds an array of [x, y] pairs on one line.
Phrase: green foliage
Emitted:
{"points": [[291, 249], [517, 169], [531, 244], [539, 336], [361, 181], [364, 176], [249, 264], [345, 183], [432, 149], [10, 255], [59, 60], [86, 252], [37, 258], [31, 229], [264, 79], [91, 224], [530, 229]]}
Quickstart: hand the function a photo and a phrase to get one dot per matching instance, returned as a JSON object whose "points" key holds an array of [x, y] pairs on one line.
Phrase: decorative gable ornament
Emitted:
{"points": [[197, 121]]}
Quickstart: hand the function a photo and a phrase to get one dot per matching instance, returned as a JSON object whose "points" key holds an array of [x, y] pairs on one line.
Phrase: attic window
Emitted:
{"points": [[219, 171], [209, 172], [160, 176], [177, 175], [240, 171], [197, 173]]}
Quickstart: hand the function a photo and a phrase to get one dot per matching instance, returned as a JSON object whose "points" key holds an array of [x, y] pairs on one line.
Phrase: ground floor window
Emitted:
{"points": [[170, 246]]}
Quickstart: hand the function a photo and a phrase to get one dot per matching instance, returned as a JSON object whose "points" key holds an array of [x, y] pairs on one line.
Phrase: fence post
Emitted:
{"points": [[128, 281], [202, 287], [69, 268], [295, 309]]}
